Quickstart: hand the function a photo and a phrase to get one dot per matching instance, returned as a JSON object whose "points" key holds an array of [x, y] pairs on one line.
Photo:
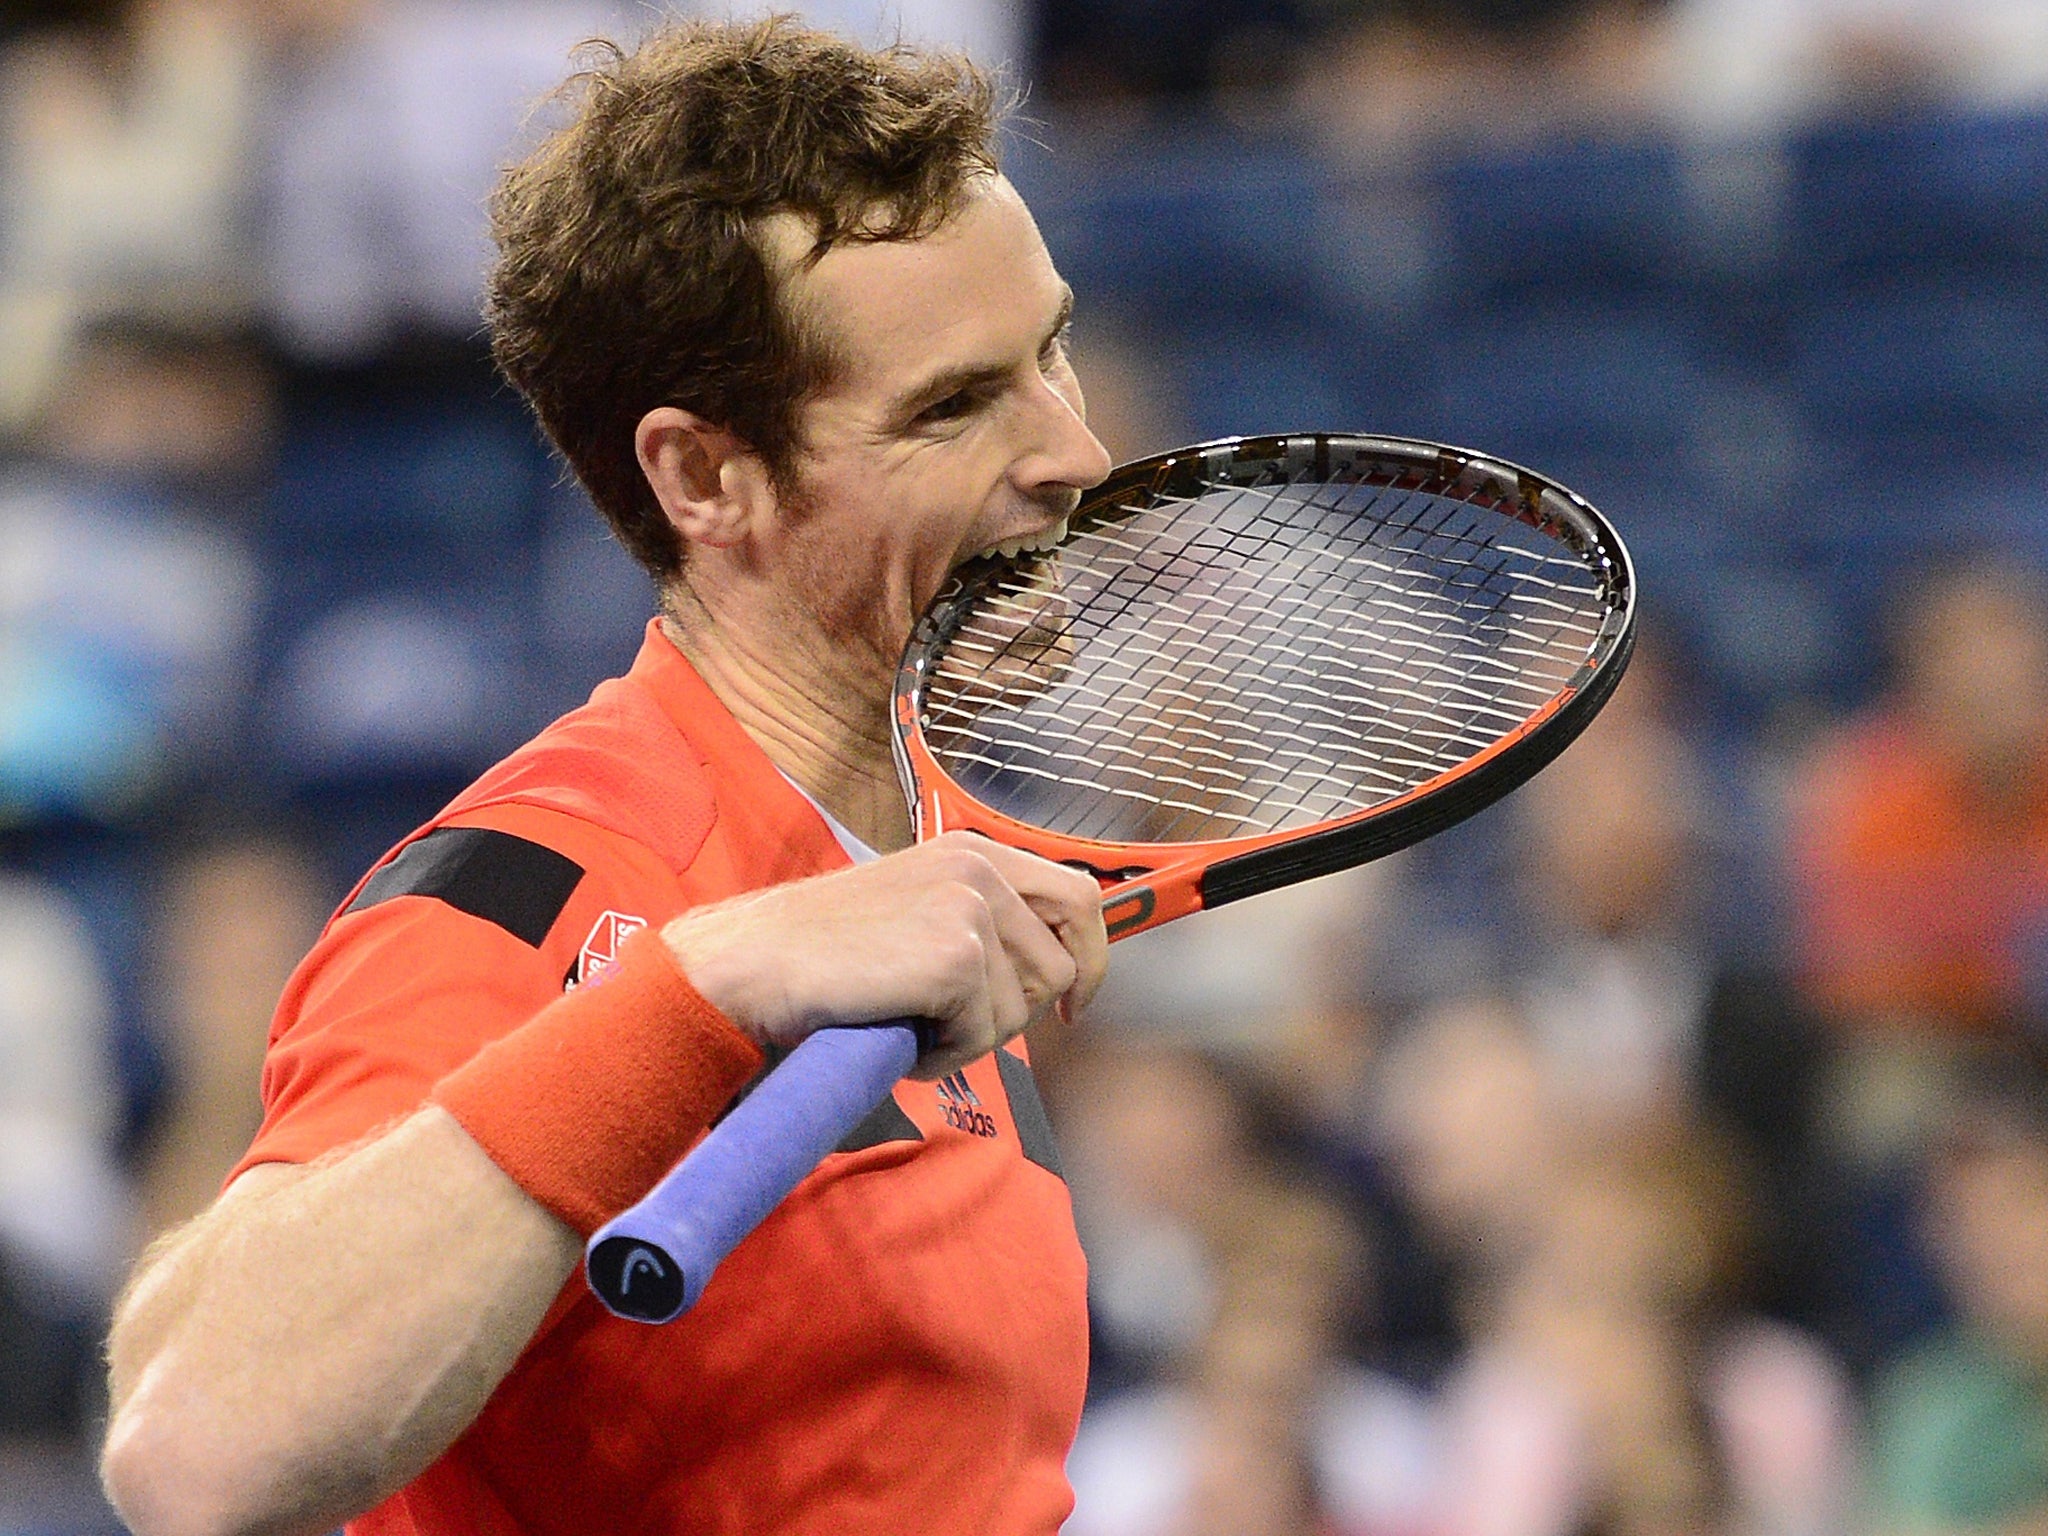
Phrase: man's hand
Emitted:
{"points": [[978, 939]]}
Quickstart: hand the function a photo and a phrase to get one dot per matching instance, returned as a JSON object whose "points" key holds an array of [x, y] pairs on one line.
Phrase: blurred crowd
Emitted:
{"points": [[1665, 1151], [1614, 1232]]}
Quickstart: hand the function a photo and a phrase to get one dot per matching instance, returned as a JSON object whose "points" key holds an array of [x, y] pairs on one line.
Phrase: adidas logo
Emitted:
{"points": [[961, 1106]]}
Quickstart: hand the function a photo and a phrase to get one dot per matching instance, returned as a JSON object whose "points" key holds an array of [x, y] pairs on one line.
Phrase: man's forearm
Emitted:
{"points": [[321, 1335]]}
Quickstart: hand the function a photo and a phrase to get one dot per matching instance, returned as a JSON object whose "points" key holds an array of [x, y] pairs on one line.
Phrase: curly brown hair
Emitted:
{"points": [[630, 273]]}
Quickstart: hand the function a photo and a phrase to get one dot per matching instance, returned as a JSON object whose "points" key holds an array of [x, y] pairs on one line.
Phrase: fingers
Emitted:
{"points": [[1026, 966], [976, 938], [1067, 901], [1027, 925]]}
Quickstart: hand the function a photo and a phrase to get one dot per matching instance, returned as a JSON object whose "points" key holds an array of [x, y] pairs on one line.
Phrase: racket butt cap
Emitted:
{"points": [[637, 1279]]}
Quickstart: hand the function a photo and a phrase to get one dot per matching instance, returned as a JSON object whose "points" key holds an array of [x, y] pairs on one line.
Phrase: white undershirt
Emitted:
{"points": [[856, 850]]}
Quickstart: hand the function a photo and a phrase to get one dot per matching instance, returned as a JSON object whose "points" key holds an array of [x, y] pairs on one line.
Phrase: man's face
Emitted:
{"points": [[954, 422]]}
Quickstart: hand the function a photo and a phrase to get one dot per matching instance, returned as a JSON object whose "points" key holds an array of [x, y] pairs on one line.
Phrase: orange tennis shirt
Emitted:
{"points": [[901, 1347]]}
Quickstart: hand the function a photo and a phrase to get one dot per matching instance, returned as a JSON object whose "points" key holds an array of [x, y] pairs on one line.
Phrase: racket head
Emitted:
{"points": [[1261, 659]]}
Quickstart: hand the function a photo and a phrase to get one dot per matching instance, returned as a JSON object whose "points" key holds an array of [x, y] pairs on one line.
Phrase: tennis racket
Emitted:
{"points": [[1248, 663]]}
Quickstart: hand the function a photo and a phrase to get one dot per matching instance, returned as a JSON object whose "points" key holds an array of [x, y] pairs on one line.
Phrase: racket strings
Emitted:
{"points": [[1391, 589], [1318, 783], [1314, 685], [1177, 709], [1256, 657]]}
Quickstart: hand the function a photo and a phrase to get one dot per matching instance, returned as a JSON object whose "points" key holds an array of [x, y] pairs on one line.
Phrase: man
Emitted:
{"points": [[804, 346]]}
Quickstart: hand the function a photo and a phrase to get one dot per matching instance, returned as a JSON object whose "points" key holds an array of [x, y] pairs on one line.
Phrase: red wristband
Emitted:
{"points": [[593, 1099]]}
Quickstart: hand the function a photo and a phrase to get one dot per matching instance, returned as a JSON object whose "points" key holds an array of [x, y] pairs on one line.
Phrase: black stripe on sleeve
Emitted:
{"points": [[1034, 1129], [520, 886]]}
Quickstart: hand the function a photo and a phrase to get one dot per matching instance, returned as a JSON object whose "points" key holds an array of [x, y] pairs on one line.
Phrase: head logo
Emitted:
{"points": [[640, 1261], [601, 950], [637, 1280]]}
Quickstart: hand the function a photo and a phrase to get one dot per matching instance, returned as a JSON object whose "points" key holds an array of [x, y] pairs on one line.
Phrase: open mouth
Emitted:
{"points": [[1031, 543], [1021, 628]]}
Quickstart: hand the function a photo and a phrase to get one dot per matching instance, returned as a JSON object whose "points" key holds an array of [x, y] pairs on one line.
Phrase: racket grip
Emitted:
{"points": [[651, 1263]]}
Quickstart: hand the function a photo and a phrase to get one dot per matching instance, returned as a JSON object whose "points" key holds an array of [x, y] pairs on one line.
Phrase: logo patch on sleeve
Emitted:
{"points": [[601, 950]]}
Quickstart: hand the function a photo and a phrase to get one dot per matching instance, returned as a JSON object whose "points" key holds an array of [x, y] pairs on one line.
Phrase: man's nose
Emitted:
{"points": [[1064, 453]]}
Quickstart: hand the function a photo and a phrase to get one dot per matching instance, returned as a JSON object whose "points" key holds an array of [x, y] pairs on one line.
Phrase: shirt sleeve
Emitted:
{"points": [[457, 939]]}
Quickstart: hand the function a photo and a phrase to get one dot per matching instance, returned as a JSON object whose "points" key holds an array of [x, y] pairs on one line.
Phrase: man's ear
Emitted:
{"points": [[712, 486]]}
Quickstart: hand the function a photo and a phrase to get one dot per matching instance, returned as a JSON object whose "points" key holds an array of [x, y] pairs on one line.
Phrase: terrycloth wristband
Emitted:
{"points": [[593, 1099]]}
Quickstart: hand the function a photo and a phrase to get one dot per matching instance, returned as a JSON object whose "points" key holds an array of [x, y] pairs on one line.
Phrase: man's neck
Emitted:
{"points": [[819, 712]]}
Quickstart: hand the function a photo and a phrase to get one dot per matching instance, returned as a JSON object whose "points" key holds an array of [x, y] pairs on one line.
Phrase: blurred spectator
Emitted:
{"points": [[129, 596], [1460, 1151], [1573, 1407], [1641, 1013], [1586, 1401], [1961, 1418], [173, 404], [1787, 1424], [386, 125], [1918, 853], [125, 155], [1400, 78], [1612, 961], [1758, 65], [66, 1217], [1255, 1392], [1218, 1278], [1464, 1112], [1576, 1324], [1151, 1130], [1590, 982], [1919, 839], [238, 910]]}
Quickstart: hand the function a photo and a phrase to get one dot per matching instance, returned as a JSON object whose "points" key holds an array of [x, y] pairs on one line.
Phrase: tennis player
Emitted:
{"points": [[770, 297]]}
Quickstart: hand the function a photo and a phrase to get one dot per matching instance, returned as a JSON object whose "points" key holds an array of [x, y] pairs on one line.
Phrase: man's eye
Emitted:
{"points": [[955, 405], [1056, 348]]}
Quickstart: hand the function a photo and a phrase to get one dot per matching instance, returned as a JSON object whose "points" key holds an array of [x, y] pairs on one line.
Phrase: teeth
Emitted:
{"points": [[1009, 549]]}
